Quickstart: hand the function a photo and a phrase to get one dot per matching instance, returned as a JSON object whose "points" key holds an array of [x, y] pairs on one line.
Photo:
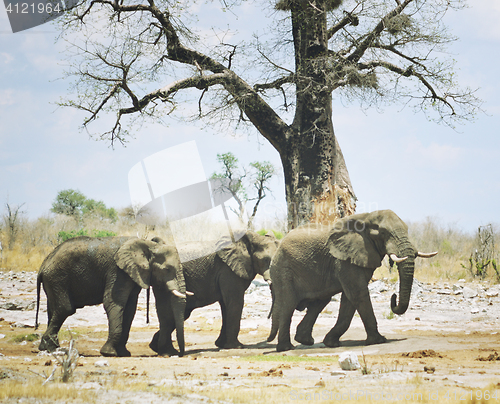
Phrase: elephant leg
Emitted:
{"points": [[354, 281], [346, 313], [285, 320], [58, 311], [115, 320], [162, 339], [303, 334], [231, 309], [115, 302], [365, 310], [128, 317]]}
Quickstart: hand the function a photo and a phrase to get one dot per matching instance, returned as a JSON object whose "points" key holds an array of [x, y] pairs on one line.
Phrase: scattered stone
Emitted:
{"points": [[429, 369], [492, 293], [425, 353], [349, 361], [474, 310], [101, 363], [321, 383], [444, 292], [469, 293], [490, 358], [377, 287]]}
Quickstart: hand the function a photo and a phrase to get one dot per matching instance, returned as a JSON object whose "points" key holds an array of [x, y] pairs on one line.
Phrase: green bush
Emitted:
{"points": [[66, 235], [277, 234], [25, 337]]}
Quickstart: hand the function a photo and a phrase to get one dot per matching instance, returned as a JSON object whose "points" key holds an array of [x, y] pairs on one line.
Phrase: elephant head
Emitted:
{"points": [[366, 238], [157, 264], [251, 255]]}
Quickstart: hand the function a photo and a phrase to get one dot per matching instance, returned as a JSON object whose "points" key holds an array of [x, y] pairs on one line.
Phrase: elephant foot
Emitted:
{"points": [[331, 341], [48, 343], [284, 347], [376, 339], [304, 339], [154, 342], [110, 350], [228, 345], [170, 352]]}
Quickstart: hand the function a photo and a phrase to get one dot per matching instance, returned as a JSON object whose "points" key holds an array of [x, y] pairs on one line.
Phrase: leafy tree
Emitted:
{"points": [[76, 205], [145, 59], [258, 178], [70, 203]]}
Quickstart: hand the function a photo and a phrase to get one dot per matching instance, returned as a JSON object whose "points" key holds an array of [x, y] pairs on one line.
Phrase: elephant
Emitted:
{"points": [[223, 277], [315, 262], [85, 271]]}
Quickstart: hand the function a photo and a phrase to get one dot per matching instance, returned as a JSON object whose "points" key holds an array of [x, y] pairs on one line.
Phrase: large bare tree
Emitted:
{"points": [[144, 59]]}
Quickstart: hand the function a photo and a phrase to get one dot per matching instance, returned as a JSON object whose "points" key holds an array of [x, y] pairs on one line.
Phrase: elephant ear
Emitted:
{"points": [[351, 239], [133, 258], [237, 257]]}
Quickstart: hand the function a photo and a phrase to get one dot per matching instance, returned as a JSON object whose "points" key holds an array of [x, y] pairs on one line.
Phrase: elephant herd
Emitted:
{"points": [[310, 265]]}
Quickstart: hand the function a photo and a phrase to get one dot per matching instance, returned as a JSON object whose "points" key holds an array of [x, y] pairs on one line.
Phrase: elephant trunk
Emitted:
{"points": [[406, 270]]}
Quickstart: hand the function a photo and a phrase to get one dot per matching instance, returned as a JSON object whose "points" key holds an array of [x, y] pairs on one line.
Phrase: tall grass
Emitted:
{"points": [[55, 392]]}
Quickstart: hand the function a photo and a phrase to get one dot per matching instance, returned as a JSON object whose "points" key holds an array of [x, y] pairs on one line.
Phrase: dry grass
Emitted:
{"points": [[35, 389], [37, 238]]}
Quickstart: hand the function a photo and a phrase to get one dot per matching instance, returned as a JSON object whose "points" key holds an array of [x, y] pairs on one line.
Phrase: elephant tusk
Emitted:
{"points": [[189, 293], [178, 294], [426, 255], [396, 259]]}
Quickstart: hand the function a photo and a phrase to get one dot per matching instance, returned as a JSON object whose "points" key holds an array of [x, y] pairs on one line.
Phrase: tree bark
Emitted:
{"points": [[318, 188]]}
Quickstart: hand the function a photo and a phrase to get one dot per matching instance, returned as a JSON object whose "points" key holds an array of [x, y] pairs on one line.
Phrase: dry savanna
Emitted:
{"points": [[445, 348]]}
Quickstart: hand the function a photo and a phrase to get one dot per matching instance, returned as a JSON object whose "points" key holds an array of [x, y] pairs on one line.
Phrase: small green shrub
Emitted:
{"points": [[66, 235], [277, 234], [25, 337]]}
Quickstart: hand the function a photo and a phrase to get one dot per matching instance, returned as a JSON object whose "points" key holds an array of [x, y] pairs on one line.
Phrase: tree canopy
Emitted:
{"points": [[73, 203], [257, 177], [143, 60]]}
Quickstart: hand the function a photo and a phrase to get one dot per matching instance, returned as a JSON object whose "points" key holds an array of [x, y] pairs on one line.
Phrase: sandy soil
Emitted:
{"points": [[432, 355]]}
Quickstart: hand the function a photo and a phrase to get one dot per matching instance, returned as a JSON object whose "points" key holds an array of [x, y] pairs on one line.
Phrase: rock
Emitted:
{"points": [[377, 287], [444, 292], [492, 293], [101, 364], [469, 293], [349, 361]]}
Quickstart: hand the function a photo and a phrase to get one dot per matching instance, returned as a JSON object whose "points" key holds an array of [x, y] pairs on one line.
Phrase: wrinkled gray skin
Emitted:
{"points": [[313, 263], [221, 277], [86, 271]]}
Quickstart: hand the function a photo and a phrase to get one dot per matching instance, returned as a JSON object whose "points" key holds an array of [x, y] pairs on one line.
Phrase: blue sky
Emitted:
{"points": [[396, 159]]}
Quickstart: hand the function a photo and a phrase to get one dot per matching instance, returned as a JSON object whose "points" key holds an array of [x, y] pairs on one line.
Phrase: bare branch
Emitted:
{"points": [[369, 39]]}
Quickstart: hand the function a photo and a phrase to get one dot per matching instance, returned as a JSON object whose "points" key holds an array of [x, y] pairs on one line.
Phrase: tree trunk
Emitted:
{"points": [[318, 188], [317, 184]]}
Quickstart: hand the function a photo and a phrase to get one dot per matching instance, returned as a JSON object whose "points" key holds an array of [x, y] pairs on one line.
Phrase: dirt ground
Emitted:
{"points": [[446, 348]]}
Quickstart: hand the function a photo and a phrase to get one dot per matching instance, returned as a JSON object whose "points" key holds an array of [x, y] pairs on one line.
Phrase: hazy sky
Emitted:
{"points": [[396, 159]]}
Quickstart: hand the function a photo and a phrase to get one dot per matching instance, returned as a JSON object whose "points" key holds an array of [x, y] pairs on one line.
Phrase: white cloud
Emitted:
{"points": [[6, 58], [438, 156], [7, 97]]}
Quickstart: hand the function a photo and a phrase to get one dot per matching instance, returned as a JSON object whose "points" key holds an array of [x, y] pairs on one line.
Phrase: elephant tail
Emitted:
{"points": [[148, 293], [274, 330], [38, 287], [275, 322]]}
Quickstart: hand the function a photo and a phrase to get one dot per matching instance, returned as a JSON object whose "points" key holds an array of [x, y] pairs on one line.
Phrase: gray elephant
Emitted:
{"points": [[222, 277], [315, 262], [86, 271]]}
